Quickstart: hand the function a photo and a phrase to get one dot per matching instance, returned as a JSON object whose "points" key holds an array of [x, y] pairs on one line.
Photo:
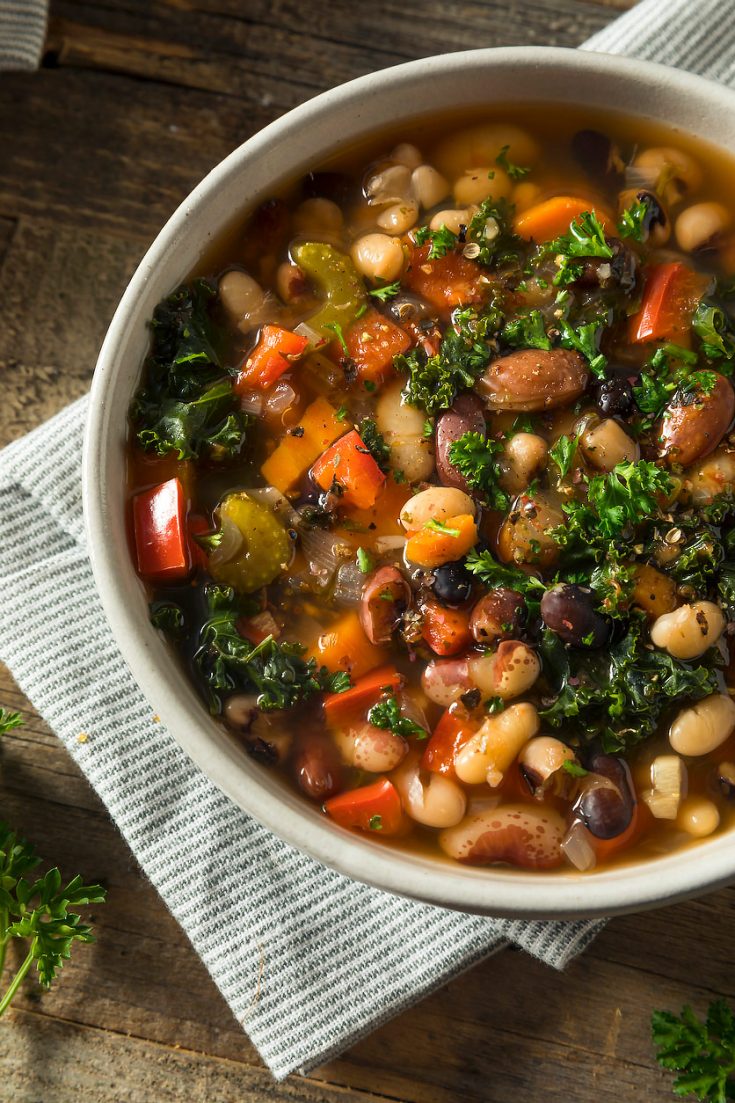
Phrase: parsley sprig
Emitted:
{"points": [[476, 459], [585, 239], [702, 1053], [615, 501], [388, 714]]}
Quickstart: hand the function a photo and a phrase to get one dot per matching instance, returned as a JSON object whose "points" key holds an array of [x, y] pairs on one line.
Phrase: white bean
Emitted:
{"points": [[378, 257], [704, 726], [699, 817], [490, 752], [699, 224], [402, 427], [688, 631], [407, 154], [454, 220], [670, 172], [429, 186], [477, 184], [606, 444], [435, 504], [240, 295], [445, 680], [429, 798], [400, 217], [507, 672], [317, 215], [523, 457]]}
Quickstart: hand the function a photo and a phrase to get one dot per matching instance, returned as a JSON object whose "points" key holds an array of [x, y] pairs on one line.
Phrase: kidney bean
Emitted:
{"points": [[694, 424], [607, 801], [465, 416], [498, 615], [533, 379], [316, 767], [519, 835], [385, 597], [569, 611]]}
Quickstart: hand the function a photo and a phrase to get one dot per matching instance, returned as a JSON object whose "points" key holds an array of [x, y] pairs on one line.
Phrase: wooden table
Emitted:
{"points": [[135, 101]]}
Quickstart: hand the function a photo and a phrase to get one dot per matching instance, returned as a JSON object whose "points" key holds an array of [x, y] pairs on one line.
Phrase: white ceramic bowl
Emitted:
{"points": [[281, 152]]}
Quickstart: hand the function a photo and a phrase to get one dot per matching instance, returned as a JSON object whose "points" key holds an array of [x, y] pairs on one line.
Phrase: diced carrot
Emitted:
{"points": [[450, 735], [382, 519], [161, 536], [295, 453], [345, 646], [338, 706], [432, 547], [350, 464], [447, 631], [553, 217], [445, 282], [272, 356], [376, 808], [372, 342], [670, 298]]}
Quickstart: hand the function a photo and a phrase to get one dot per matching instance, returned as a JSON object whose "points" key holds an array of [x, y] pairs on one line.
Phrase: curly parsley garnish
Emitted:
{"points": [[476, 459], [387, 714]]}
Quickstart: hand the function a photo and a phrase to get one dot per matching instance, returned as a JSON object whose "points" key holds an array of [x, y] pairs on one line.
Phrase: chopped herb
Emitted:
{"points": [[712, 325], [399, 476], [342, 413], [585, 239], [494, 574], [364, 561], [475, 459], [494, 704], [374, 441], [9, 720], [428, 429], [375, 823], [526, 331], [491, 229], [669, 371], [633, 219], [516, 172], [387, 714], [369, 385], [615, 501], [388, 292], [563, 453], [585, 338], [573, 768], [361, 311], [442, 241], [439, 526], [703, 1053], [336, 328]]}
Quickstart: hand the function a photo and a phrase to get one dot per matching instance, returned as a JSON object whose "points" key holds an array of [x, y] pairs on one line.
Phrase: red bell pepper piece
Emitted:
{"points": [[372, 342], [272, 356], [670, 298], [365, 692], [447, 631], [161, 534], [350, 463], [446, 282], [450, 735], [376, 807]]}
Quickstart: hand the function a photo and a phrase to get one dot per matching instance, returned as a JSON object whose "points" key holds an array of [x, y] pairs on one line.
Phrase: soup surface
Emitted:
{"points": [[432, 487]]}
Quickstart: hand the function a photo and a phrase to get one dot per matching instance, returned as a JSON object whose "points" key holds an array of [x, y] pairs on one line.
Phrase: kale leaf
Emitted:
{"points": [[374, 441]]}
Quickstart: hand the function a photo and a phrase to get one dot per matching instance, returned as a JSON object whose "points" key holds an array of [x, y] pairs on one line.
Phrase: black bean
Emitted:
{"points": [[615, 398], [606, 804], [570, 612], [452, 583], [597, 155]]}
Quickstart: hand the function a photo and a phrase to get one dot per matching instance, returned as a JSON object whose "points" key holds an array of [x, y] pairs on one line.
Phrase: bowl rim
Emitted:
{"points": [[494, 890]]}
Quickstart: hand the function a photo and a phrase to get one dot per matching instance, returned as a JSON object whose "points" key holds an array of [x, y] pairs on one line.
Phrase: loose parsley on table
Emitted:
{"points": [[702, 1053]]}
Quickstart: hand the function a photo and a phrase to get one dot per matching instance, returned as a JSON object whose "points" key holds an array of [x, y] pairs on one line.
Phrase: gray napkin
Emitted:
{"points": [[22, 33], [308, 960]]}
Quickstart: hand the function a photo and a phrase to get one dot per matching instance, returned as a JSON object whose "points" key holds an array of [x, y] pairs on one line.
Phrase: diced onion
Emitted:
{"points": [[322, 552], [305, 330], [251, 402], [266, 623], [275, 501], [385, 544], [229, 546], [348, 589], [577, 847], [279, 399]]}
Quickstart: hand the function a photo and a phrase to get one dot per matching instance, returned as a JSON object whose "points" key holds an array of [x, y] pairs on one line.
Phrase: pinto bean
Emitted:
{"points": [[385, 597], [316, 767], [606, 803], [694, 424], [367, 747], [524, 536], [445, 680], [499, 615], [507, 672], [516, 834], [533, 379], [465, 416]]}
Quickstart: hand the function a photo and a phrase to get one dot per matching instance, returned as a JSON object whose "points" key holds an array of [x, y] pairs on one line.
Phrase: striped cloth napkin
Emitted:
{"points": [[22, 33], [308, 960]]}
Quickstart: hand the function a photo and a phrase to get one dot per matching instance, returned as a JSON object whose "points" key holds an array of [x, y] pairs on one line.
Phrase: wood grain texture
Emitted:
{"points": [[137, 100]]}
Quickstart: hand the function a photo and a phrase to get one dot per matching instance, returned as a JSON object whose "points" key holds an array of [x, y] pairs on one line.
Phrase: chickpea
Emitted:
{"points": [[710, 477], [477, 184], [524, 456], [688, 631], [242, 297], [399, 218], [698, 817], [605, 444], [480, 145], [429, 186], [317, 216], [402, 427], [670, 172], [407, 154], [378, 257], [391, 185], [702, 727], [507, 672], [525, 195], [493, 749], [429, 798], [700, 224], [435, 504], [454, 220]]}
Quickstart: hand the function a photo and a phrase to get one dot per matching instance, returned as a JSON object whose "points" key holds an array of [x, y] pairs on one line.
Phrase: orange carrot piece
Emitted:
{"points": [[292, 457], [445, 282], [338, 706], [350, 464], [376, 808], [553, 217], [432, 547], [345, 646], [446, 631], [372, 342], [272, 356]]}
